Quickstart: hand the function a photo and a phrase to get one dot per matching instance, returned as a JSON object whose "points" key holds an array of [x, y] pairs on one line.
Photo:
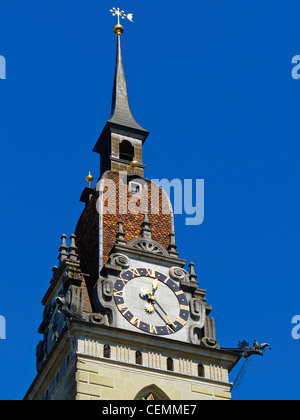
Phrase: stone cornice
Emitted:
{"points": [[154, 343]]}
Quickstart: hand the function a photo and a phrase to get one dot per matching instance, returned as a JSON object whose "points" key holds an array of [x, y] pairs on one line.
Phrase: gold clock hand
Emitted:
{"points": [[161, 316], [169, 319], [155, 284], [145, 292]]}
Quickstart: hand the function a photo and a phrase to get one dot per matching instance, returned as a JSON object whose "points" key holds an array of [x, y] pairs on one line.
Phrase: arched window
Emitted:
{"points": [[106, 351], [138, 358], [152, 392], [126, 151], [170, 364], [201, 371]]}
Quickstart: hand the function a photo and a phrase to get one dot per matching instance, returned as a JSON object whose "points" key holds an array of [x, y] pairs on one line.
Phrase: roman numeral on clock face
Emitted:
{"points": [[169, 329], [135, 321], [150, 273], [181, 321], [118, 293], [123, 308], [152, 329], [135, 272]]}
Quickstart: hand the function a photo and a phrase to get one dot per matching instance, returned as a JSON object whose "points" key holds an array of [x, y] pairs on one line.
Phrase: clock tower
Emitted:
{"points": [[124, 316]]}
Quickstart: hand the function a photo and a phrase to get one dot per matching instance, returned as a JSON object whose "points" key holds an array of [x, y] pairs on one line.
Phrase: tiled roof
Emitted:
{"points": [[87, 231]]}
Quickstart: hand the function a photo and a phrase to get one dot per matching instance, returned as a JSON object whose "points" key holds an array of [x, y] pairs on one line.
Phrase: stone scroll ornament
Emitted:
{"points": [[120, 260], [178, 273], [97, 319]]}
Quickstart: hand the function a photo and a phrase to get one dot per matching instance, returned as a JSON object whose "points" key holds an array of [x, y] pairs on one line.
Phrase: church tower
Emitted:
{"points": [[124, 316]]}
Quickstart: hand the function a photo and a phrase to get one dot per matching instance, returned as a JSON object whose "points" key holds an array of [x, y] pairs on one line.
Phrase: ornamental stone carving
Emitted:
{"points": [[198, 310], [177, 273], [97, 319], [209, 342], [107, 288], [147, 245], [120, 260]]}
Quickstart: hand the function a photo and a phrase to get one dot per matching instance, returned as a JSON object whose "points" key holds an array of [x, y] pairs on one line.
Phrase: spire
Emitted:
{"points": [[120, 110], [122, 137], [121, 119]]}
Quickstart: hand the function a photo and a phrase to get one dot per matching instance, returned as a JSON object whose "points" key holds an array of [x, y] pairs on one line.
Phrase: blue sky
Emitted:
{"points": [[212, 82]]}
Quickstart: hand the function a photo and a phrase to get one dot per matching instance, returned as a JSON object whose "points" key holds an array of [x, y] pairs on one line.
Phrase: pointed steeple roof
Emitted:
{"points": [[120, 110], [121, 117]]}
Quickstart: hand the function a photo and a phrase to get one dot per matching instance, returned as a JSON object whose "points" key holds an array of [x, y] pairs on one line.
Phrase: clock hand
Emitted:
{"points": [[160, 315], [161, 308], [171, 322], [145, 292], [148, 291], [169, 319], [155, 286], [150, 305]]}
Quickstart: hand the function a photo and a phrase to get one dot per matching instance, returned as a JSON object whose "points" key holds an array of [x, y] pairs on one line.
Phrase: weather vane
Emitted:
{"points": [[121, 14]]}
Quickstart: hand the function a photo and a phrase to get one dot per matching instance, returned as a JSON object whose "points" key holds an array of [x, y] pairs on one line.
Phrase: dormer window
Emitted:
{"points": [[134, 188]]}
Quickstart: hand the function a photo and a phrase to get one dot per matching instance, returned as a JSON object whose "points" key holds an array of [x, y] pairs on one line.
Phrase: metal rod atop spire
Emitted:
{"points": [[121, 15], [118, 29]]}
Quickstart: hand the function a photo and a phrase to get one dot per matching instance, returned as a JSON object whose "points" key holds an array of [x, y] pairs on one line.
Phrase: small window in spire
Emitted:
{"points": [[126, 151]]}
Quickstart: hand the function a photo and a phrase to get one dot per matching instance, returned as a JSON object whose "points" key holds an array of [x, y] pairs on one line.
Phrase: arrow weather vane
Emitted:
{"points": [[121, 14]]}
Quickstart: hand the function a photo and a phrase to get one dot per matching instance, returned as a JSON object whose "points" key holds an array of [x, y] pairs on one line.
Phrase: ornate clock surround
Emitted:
{"points": [[169, 328]]}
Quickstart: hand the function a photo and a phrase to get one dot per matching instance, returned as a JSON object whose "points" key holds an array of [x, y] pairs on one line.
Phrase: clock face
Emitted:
{"points": [[151, 301]]}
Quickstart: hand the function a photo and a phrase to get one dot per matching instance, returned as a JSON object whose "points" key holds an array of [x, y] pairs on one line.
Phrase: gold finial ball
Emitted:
{"points": [[134, 163], [118, 30], [89, 178]]}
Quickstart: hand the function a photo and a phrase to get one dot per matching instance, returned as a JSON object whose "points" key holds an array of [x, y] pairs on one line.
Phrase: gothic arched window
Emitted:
{"points": [[152, 392]]}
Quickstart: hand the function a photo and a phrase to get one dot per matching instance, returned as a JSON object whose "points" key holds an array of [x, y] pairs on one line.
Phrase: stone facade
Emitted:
{"points": [[89, 375], [97, 381]]}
